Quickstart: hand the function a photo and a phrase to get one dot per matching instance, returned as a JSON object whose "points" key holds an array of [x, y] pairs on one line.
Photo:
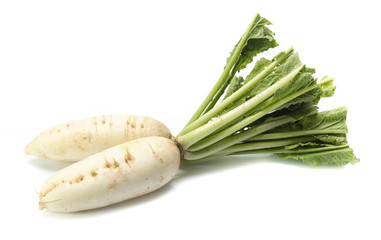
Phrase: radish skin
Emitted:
{"points": [[119, 173], [79, 139]]}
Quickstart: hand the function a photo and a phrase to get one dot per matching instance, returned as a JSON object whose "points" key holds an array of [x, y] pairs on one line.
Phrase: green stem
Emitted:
{"points": [[296, 151], [264, 147], [248, 120], [265, 144], [268, 136], [214, 101], [192, 153], [199, 133], [232, 60], [236, 95]]}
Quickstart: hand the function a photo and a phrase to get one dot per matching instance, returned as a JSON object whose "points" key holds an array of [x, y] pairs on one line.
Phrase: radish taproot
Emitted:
{"points": [[273, 109], [79, 139], [119, 173]]}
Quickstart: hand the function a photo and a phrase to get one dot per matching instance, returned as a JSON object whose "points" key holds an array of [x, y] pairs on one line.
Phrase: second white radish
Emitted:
{"points": [[79, 139]]}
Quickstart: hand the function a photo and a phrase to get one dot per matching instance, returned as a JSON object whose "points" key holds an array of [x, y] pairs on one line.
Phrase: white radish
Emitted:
{"points": [[119, 173], [79, 139]]}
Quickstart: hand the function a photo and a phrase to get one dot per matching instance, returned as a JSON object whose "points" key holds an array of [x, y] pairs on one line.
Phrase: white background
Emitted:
{"points": [[65, 60]]}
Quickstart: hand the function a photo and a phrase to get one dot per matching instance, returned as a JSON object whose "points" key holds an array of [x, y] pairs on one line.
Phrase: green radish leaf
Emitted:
{"points": [[235, 84], [334, 157], [332, 119], [260, 39]]}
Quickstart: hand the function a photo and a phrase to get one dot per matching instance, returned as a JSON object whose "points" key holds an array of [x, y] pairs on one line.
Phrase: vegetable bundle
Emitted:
{"points": [[271, 110]]}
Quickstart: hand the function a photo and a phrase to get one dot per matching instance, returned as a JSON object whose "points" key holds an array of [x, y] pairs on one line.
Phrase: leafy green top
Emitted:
{"points": [[272, 109]]}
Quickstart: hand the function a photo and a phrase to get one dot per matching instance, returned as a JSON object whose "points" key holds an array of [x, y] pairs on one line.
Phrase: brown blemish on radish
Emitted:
{"points": [[79, 179], [128, 158], [49, 190], [142, 125], [93, 173], [86, 138], [115, 164], [107, 164], [112, 185], [68, 125], [157, 157]]}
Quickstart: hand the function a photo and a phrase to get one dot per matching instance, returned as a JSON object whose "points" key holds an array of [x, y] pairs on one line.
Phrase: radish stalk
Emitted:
{"points": [[190, 138], [241, 124], [269, 136], [322, 132], [223, 78], [251, 43], [236, 95], [204, 151]]}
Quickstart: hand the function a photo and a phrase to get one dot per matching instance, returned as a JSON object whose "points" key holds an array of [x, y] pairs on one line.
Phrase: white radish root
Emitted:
{"points": [[119, 173], [79, 139]]}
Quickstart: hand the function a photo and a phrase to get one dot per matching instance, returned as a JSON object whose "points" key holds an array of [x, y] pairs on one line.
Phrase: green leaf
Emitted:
{"points": [[279, 94], [299, 112], [306, 145], [259, 66], [260, 39], [326, 84], [256, 39], [235, 84], [335, 139], [334, 157], [291, 63], [332, 119]]}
